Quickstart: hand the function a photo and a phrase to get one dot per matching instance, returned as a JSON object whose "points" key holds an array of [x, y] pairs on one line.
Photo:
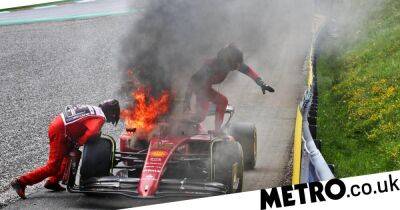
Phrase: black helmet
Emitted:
{"points": [[111, 110], [231, 55]]}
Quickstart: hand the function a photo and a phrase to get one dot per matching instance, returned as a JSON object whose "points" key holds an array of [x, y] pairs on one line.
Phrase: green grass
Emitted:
{"points": [[359, 104]]}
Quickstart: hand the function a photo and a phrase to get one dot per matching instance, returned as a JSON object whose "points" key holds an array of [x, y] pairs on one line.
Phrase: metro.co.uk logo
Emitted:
{"points": [[334, 189]]}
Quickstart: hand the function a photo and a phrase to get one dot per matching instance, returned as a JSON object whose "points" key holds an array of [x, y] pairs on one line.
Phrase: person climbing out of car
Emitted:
{"points": [[70, 129], [214, 71]]}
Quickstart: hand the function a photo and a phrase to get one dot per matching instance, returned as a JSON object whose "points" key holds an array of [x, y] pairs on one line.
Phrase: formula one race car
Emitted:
{"points": [[181, 160]]}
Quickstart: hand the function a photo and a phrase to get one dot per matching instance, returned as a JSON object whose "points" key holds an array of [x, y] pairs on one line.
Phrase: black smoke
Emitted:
{"points": [[168, 40], [171, 38]]}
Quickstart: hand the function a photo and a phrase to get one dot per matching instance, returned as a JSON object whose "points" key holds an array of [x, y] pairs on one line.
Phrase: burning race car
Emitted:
{"points": [[179, 159], [174, 157]]}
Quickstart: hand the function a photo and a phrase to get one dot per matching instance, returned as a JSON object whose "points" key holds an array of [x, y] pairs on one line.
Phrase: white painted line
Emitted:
{"points": [[5, 12], [45, 7], [84, 1]]}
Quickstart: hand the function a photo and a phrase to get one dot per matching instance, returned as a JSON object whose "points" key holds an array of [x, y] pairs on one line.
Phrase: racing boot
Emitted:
{"points": [[56, 187], [19, 188]]}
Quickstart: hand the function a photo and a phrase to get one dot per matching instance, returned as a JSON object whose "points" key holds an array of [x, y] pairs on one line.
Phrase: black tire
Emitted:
{"points": [[97, 158], [246, 135], [227, 165]]}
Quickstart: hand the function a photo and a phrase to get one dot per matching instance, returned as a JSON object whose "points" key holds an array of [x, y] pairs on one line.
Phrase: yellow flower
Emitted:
{"points": [[374, 117], [376, 89], [390, 91]]}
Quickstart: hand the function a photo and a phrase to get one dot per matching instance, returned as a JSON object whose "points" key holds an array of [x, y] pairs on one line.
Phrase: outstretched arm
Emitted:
{"points": [[245, 69]]}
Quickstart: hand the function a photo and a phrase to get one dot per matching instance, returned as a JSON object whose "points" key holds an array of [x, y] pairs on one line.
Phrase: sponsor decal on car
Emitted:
{"points": [[152, 171], [155, 159], [154, 166], [149, 177], [158, 153], [158, 164]]}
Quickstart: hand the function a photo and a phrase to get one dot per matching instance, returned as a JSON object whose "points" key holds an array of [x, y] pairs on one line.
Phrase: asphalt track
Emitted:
{"points": [[64, 11], [44, 66]]}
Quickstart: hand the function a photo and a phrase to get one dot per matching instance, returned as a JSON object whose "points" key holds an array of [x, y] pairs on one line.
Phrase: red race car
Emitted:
{"points": [[179, 160]]}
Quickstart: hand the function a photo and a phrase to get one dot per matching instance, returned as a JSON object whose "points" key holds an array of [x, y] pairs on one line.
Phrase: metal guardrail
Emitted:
{"points": [[308, 163]]}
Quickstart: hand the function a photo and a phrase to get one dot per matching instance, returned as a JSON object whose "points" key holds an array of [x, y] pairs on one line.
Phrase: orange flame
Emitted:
{"points": [[143, 116]]}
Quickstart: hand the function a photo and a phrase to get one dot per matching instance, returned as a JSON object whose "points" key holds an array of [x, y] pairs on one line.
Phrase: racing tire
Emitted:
{"points": [[227, 165], [97, 158], [246, 135]]}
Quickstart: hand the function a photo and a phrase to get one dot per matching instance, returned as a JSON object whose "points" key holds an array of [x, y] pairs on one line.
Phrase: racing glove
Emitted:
{"points": [[264, 87]]}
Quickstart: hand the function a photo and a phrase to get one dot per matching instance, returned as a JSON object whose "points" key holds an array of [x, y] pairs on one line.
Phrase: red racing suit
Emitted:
{"points": [[213, 72], [73, 127]]}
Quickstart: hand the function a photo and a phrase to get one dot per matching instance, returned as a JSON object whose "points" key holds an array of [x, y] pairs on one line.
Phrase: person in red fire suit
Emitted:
{"points": [[72, 128], [214, 71]]}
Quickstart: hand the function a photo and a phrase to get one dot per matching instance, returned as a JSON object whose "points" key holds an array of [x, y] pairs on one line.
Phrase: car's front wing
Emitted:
{"points": [[166, 188]]}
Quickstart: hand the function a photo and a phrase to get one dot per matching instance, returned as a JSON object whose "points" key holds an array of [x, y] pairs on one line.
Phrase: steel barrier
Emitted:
{"points": [[308, 163]]}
